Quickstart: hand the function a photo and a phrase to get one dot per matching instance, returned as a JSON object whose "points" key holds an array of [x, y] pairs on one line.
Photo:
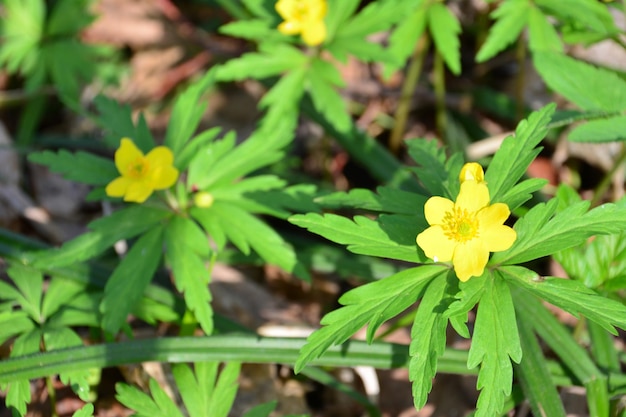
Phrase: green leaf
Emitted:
{"points": [[262, 410], [283, 98], [225, 390], [68, 17], [188, 386], [130, 279], [586, 86], [195, 146], [403, 39], [273, 59], [338, 13], [160, 405], [386, 199], [438, 174], [542, 35], [375, 17], [60, 293], [541, 232], [22, 29], [598, 131], [281, 203], [445, 30], [187, 112], [63, 337], [515, 155], [571, 296], [86, 411], [372, 303], [30, 283], [117, 120], [364, 236], [494, 344], [252, 29], [511, 17], [328, 101], [186, 247], [18, 392], [534, 376], [122, 224], [13, 323], [246, 231], [428, 340], [593, 15], [80, 166]]}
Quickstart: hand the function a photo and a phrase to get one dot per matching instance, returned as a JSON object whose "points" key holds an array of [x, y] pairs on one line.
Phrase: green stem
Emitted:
{"points": [[606, 180], [520, 81], [408, 88], [52, 395], [439, 81]]}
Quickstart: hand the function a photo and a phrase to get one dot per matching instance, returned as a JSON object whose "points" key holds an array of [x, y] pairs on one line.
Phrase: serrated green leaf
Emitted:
{"points": [[522, 192], [328, 101], [586, 86], [375, 17], [186, 115], [68, 17], [186, 244], [598, 131], [273, 59], [130, 278], [494, 344], [572, 296], [516, 153], [445, 29], [511, 17], [136, 400], [541, 232], [252, 29], [363, 235], [122, 224], [117, 121], [375, 302], [63, 337], [338, 13], [22, 29], [281, 203], [433, 170], [80, 166], [30, 283], [593, 15], [246, 231], [386, 199], [225, 390], [60, 293], [195, 403], [403, 39], [18, 392], [283, 98], [542, 36], [194, 147], [13, 323], [428, 340]]}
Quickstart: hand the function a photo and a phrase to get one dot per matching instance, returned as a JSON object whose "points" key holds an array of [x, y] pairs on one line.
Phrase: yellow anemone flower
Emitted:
{"points": [[305, 17], [141, 174], [465, 231]]}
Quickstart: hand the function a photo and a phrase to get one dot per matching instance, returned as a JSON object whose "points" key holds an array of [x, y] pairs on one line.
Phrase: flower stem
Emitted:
{"points": [[606, 180], [408, 88], [520, 54], [52, 395], [439, 81]]}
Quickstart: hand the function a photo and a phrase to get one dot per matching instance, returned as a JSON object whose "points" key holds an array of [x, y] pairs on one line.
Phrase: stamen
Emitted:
{"points": [[460, 225]]}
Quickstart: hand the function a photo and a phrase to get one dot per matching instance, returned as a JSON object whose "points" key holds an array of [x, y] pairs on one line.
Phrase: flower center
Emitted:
{"points": [[138, 168], [459, 225]]}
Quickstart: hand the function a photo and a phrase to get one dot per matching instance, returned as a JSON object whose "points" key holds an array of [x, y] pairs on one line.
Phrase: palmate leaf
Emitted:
{"points": [[511, 17], [86, 411], [445, 29], [272, 59], [130, 278], [588, 87], [385, 199], [515, 155], [495, 343], [283, 98], [18, 392], [428, 340], [541, 232], [322, 80], [117, 120], [438, 174], [569, 295], [403, 39], [372, 303], [187, 245], [593, 15], [226, 221], [159, 405], [392, 236], [21, 28], [542, 36], [80, 166], [64, 337]]}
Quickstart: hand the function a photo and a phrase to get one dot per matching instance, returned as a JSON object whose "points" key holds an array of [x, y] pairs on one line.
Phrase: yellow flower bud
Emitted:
{"points": [[472, 171], [203, 199]]}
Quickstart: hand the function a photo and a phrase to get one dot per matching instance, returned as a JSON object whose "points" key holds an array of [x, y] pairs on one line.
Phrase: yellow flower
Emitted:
{"points": [[465, 231], [305, 17], [141, 174]]}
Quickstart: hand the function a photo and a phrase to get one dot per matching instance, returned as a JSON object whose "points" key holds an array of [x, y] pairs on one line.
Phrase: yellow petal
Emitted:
{"points": [[472, 171], [163, 177], [314, 33], [317, 9], [126, 154], [160, 156], [469, 259], [117, 187], [494, 215], [473, 196], [290, 28], [498, 238], [138, 191], [287, 9], [436, 244], [436, 208]]}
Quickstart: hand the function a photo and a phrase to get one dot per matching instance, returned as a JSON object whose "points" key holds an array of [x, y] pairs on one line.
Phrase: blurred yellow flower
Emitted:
{"points": [[465, 231], [305, 17], [141, 174]]}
